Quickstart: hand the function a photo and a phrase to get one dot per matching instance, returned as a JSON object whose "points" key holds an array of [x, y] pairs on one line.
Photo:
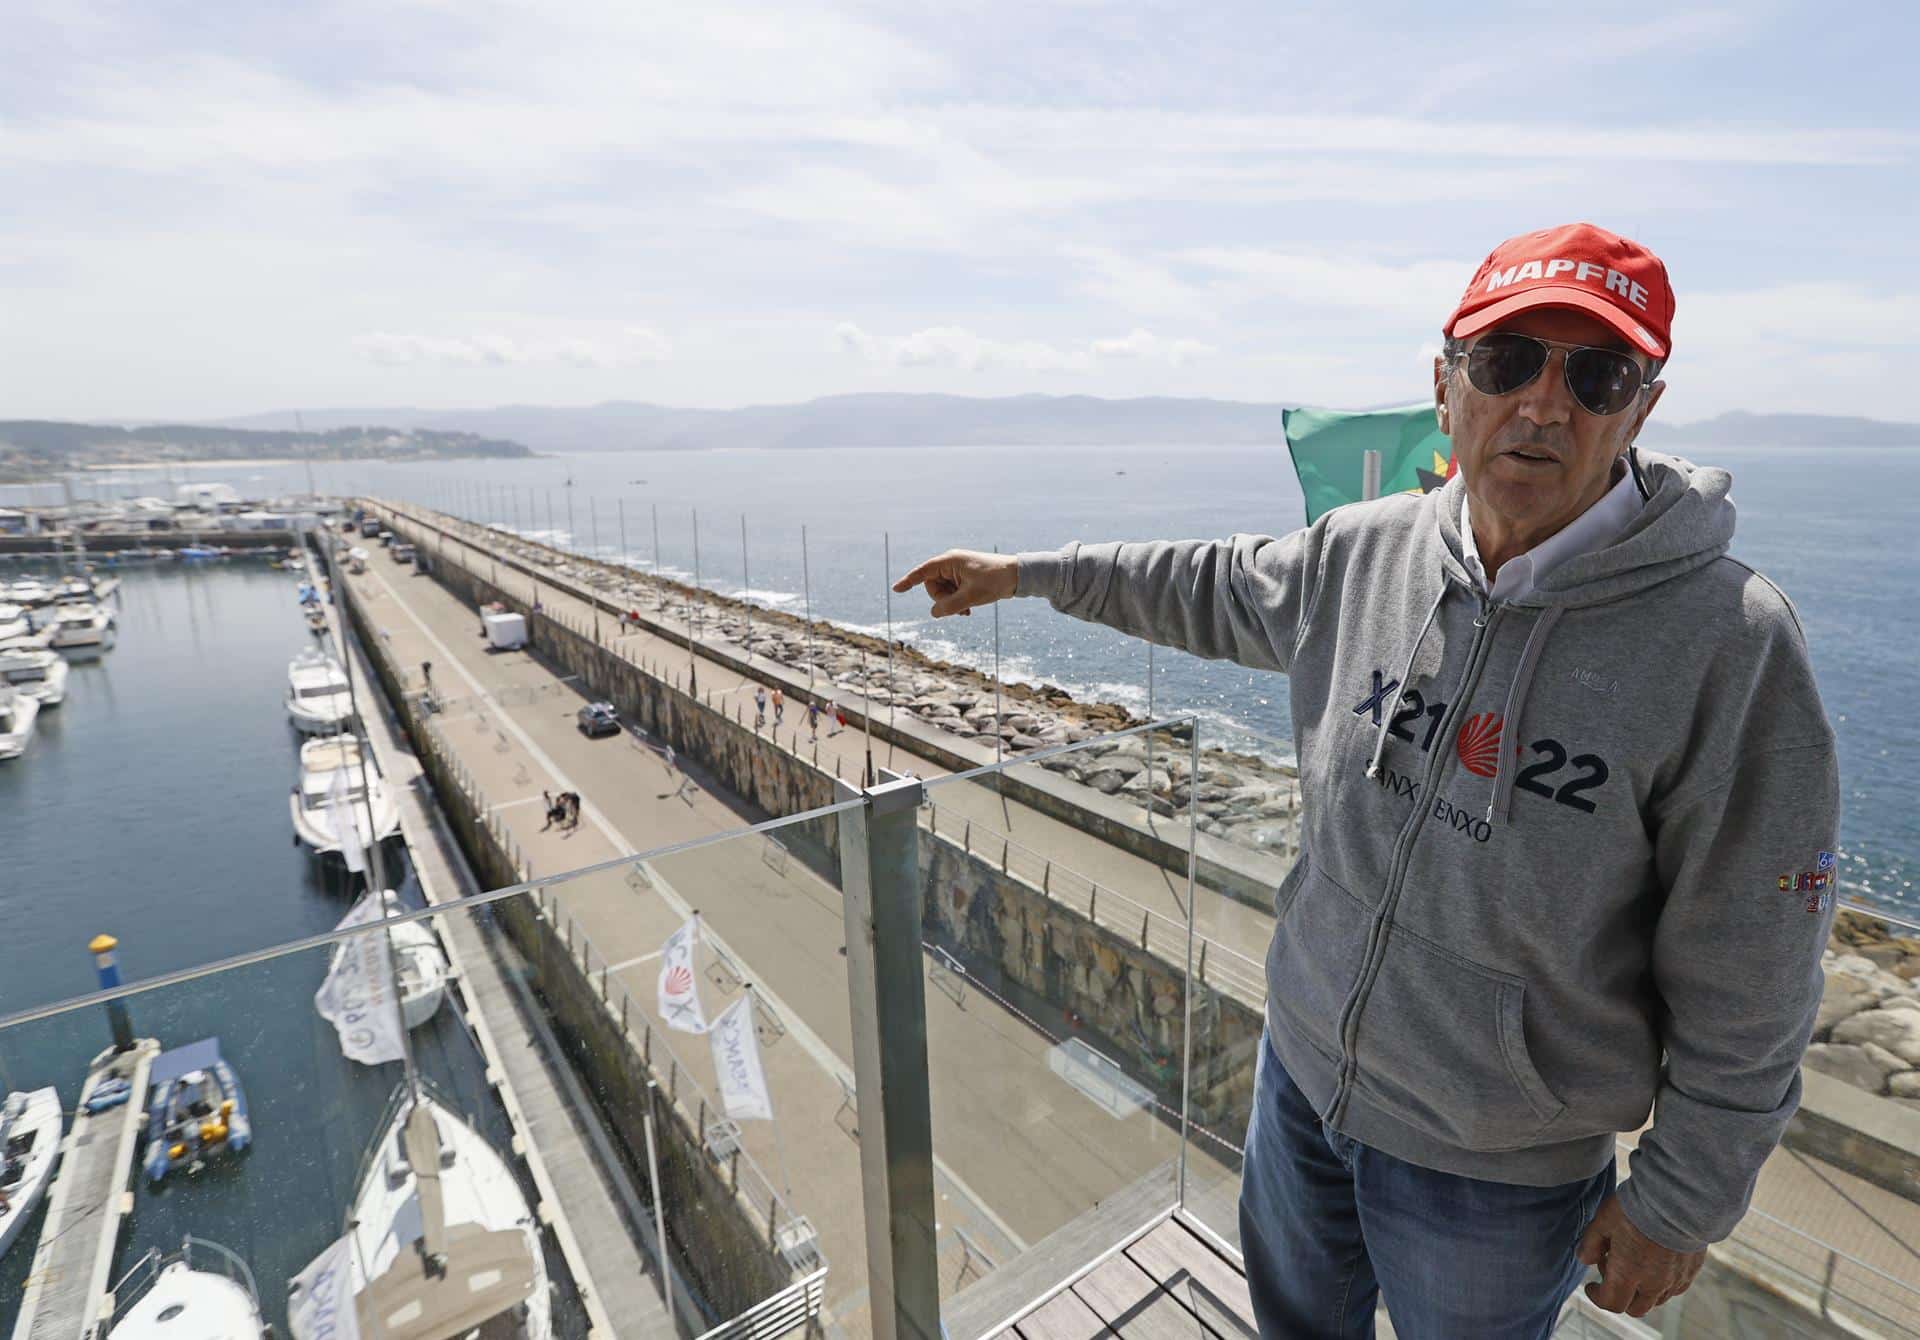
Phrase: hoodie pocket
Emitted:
{"points": [[1315, 958], [1442, 1046]]}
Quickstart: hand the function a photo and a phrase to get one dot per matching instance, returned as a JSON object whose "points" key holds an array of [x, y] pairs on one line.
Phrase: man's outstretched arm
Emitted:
{"points": [[1240, 599]]}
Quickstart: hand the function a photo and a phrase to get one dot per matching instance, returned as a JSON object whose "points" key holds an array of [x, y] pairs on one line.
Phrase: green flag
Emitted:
{"points": [[1329, 453]]}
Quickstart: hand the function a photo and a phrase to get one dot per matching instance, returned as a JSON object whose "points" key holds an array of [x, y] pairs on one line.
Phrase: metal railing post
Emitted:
{"points": [[880, 876]]}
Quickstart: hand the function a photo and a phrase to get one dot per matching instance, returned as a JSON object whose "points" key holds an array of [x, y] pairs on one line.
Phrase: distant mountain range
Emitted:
{"points": [[913, 420], [30, 448]]}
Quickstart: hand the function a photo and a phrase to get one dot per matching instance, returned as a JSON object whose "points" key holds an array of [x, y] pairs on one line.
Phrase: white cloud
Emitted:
{"points": [[638, 345], [957, 347]]}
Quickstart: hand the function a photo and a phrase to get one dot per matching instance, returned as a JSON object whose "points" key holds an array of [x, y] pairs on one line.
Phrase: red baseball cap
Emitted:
{"points": [[1578, 266]]}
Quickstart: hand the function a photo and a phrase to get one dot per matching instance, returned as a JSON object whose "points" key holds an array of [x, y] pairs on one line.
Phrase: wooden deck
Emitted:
{"points": [[1168, 1282]]}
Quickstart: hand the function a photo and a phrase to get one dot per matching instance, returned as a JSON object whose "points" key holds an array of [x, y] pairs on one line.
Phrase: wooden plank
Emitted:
{"points": [[1203, 1281], [1062, 1317], [1133, 1304], [1051, 1264]]}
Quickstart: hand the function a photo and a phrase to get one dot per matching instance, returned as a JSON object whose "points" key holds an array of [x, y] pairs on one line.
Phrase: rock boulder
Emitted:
{"points": [[1896, 1030]]}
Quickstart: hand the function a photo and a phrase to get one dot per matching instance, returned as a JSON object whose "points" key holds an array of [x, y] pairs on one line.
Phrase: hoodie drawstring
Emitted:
{"points": [[1502, 801], [1400, 685]]}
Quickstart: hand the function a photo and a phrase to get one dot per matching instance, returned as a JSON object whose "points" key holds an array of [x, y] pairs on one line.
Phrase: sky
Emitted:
{"points": [[218, 208]]}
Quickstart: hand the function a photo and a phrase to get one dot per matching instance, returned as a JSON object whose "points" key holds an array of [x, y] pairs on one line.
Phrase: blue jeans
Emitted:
{"points": [[1328, 1225]]}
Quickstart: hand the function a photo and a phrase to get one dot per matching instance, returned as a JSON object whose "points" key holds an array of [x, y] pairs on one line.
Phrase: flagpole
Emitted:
{"points": [[779, 1141], [659, 1210], [746, 588]]}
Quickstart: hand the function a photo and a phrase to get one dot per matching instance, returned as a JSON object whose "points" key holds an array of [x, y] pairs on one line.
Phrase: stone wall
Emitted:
{"points": [[722, 1239], [1082, 979]]}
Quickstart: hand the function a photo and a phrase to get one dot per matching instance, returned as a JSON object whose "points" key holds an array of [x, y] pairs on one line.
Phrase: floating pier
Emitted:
{"points": [[66, 1293]]}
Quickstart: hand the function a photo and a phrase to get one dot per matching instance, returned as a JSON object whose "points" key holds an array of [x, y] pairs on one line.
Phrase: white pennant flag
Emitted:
{"points": [[340, 818], [736, 1060], [358, 997], [320, 1302], [679, 995]]}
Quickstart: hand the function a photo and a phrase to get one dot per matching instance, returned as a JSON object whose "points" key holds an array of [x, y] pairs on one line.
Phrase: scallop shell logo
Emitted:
{"points": [[679, 982], [1479, 744]]}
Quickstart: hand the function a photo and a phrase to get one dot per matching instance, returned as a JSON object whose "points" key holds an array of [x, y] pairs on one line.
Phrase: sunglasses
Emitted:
{"points": [[1602, 381]]}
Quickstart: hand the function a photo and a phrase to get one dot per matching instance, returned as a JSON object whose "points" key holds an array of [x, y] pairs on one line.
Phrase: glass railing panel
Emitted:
{"points": [[770, 959], [539, 1021], [1057, 947], [263, 1143]]}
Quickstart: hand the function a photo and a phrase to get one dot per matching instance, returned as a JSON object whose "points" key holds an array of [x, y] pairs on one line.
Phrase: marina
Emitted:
{"points": [[198, 675]]}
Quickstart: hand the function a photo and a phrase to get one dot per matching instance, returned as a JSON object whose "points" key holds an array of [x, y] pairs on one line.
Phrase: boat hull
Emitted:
{"points": [[38, 1125]]}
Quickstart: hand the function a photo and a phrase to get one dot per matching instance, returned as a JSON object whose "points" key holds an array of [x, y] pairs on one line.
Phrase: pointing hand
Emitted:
{"points": [[961, 579]]}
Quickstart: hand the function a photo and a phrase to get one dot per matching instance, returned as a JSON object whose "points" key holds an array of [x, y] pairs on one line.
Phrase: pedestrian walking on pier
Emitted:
{"points": [[813, 720], [779, 704], [759, 707], [1457, 1027], [556, 810], [426, 675], [839, 719]]}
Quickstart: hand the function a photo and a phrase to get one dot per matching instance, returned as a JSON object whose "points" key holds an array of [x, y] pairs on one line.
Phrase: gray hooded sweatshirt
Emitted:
{"points": [[1565, 859]]}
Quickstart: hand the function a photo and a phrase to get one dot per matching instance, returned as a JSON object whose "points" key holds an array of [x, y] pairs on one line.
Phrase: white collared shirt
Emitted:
{"points": [[1595, 528]]}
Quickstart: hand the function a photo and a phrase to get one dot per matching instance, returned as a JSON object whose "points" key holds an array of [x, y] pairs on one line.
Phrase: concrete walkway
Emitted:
{"points": [[586, 1198]]}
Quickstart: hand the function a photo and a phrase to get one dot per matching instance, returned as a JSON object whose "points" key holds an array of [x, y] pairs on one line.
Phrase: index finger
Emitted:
{"points": [[918, 575]]}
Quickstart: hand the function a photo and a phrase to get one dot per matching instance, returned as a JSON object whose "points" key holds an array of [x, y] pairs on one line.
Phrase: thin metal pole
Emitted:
{"points": [[693, 614], [620, 506], [659, 1211], [658, 595], [996, 689], [746, 587], [1193, 846], [1370, 476], [553, 531], [593, 524], [1149, 733], [893, 695], [806, 589], [572, 542]]}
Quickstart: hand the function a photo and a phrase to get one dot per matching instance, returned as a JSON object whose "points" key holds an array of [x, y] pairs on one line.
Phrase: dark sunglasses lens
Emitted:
{"points": [[1502, 363], [1602, 381]]}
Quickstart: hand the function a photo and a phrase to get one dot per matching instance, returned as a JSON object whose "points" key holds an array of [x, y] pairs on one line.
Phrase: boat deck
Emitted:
{"points": [[66, 1291]]}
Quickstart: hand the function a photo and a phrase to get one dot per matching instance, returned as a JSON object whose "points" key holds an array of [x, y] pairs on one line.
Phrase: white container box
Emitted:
{"points": [[506, 632]]}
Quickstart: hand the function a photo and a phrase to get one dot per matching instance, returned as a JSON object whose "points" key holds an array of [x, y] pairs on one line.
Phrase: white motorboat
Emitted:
{"points": [[14, 622], [321, 762], [318, 698], [29, 1146], [36, 672], [81, 628], [203, 1291], [29, 591], [453, 1252], [18, 712]]}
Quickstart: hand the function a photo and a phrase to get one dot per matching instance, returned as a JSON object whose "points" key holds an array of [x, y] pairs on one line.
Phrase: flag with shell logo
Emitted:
{"points": [[679, 990]]}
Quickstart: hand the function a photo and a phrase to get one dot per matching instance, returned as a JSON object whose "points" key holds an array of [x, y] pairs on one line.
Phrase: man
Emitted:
{"points": [[1569, 805]]}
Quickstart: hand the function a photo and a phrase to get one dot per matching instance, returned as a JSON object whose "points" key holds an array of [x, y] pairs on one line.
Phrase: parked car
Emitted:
{"points": [[598, 719], [402, 552]]}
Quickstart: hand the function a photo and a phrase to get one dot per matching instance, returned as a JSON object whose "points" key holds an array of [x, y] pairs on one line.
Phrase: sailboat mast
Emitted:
{"points": [[376, 872]]}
